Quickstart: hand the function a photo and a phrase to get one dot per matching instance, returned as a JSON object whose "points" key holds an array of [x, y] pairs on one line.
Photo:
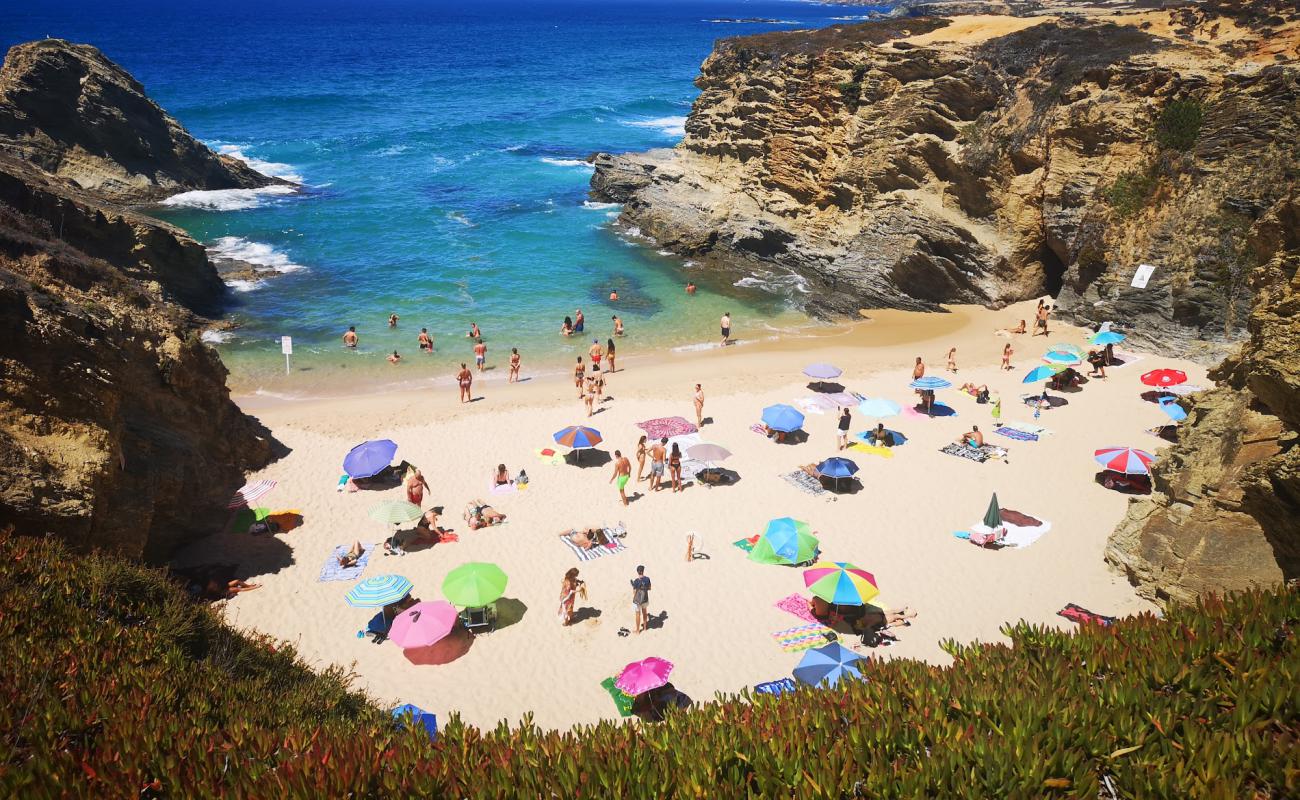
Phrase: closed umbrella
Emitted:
{"points": [[782, 418], [422, 624], [841, 583], [395, 512], [827, 664], [250, 492], [1164, 377], [1043, 373], [474, 585], [930, 382], [1127, 460], [380, 590], [1104, 338], [785, 541], [822, 371], [369, 458], [878, 407], [643, 676], [1172, 410], [993, 516]]}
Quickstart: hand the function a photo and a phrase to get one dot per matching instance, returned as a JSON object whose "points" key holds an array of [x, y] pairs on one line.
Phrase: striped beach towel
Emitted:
{"points": [[1018, 435], [746, 544], [584, 554], [804, 637], [332, 571], [804, 482]]}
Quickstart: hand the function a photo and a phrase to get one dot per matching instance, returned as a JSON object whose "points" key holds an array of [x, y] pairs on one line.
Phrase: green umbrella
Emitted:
{"points": [[395, 512], [474, 584], [785, 541], [993, 517]]}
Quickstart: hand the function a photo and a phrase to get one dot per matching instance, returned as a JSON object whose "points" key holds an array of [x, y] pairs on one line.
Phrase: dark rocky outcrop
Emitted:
{"points": [[70, 111]]}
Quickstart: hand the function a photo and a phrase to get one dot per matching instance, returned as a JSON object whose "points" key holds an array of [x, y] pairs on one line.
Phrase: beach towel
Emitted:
{"points": [[1018, 535], [622, 701], [804, 482], [873, 449], [840, 400], [1018, 435], [599, 550], [977, 454], [549, 455], [333, 571], [504, 488], [667, 426], [1028, 427], [797, 605], [746, 544], [1081, 615], [804, 637], [813, 405], [1123, 359], [777, 687]]}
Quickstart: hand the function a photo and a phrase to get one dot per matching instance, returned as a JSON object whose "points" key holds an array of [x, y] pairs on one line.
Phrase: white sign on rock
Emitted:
{"points": [[1142, 275]]}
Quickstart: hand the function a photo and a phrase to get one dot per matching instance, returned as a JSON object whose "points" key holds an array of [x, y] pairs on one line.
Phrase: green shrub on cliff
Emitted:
{"points": [[1179, 124], [1131, 191], [110, 680]]}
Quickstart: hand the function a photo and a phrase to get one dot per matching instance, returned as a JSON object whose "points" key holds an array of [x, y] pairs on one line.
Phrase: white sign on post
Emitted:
{"points": [[286, 347], [1142, 275]]}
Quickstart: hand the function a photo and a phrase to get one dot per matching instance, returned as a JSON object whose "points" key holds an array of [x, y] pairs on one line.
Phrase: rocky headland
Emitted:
{"points": [[117, 431]]}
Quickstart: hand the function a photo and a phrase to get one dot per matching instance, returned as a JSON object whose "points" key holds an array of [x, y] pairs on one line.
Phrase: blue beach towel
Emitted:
{"points": [[776, 687], [865, 437], [1019, 436], [332, 571]]}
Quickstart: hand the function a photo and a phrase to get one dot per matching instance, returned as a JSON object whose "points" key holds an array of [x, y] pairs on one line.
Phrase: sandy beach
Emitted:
{"points": [[714, 616]]}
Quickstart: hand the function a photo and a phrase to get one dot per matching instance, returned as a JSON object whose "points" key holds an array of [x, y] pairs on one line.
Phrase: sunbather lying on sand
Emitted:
{"points": [[587, 539], [480, 515]]}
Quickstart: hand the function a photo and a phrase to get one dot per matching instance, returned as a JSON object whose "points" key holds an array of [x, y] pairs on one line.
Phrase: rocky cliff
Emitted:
{"points": [[72, 112], [987, 159], [117, 430]]}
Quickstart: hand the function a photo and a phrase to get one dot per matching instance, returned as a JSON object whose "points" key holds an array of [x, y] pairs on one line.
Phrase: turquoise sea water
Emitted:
{"points": [[440, 150]]}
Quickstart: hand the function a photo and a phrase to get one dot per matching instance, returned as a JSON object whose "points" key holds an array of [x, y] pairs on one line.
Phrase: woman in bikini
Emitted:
{"points": [[640, 458], [351, 557], [566, 327], [514, 365], [465, 379], [1006, 356], [480, 515], [568, 593], [609, 353], [589, 395], [579, 372], [598, 380], [952, 359], [415, 485], [502, 476], [675, 467]]}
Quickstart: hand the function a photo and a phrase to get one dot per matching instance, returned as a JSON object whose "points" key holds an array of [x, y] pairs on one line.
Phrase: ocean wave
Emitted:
{"points": [[258, 254], [226, 199], [216, 337], [568, 162], [245, 286], [595, 206], [272, 169], [754, 21], [392, 150], [668, 126], [456, 216], [774, 283]]}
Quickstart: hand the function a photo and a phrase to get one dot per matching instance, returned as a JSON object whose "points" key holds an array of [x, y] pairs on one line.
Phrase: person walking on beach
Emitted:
{"points": [[699, 406], [598, 383], [918, 370], [514, 366], [1006, 355], [415, 486], [579, 321], [658, 453], [589, 394], [426, 341], [609, 353], [569, 589], [1040, 319], [640, 600], [618, 325], [640, 457], [846, 420], [595, 352], [350, 337], [675, 468], [952, 359], [466, 379], [726, 328], [622, 473], [392, 320], [579, 373], [480, 354]]}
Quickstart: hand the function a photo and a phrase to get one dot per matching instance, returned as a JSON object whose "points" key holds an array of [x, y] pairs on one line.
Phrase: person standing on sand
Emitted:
{"points": [[595, 352], [640, 457], [589, 394], [640, 600], [675, 468], [618, 325], [622, 473], [726, 328], [415, 485], [514, 366], [465, 379], [426, 341], [579, 373], [699, 406], [609, 353], [952, 359], [579, 321], [846, 420], [569, 588], [996, 409], [480, 354], [1040, 319], [350, 337], [658, 453], [918, 369], [392, 320], [1007, 351], [598, 381]]}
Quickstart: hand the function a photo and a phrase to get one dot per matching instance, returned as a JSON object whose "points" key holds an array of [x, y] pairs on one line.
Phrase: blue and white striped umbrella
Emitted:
{"points": [[827, 664], [381, 590], [930, 382]]}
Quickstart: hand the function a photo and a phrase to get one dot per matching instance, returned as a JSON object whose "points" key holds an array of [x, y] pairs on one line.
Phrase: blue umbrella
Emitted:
{"points": [[1107, 337], [827, 664], [419, 717], [1042, 373], [878, 407], [930, 382], [1172, 409], [369, 458], [822, 371], [381, 590], [837, 468], [782, 418], [578, 436], [1060, 357]]}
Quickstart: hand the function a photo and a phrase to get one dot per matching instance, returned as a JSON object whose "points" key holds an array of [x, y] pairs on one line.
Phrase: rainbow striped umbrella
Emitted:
{"points": [[250, 492], [644, 675], [841, 583], [1127, 460], [381, 590]]}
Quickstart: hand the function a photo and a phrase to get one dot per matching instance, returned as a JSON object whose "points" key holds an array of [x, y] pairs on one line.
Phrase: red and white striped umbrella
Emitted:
{"points": [[249, 493], [1127, 460]]}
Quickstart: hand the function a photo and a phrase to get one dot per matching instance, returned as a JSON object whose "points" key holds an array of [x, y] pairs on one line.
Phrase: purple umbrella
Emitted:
{"points": [[369, 458], [822, 371], [423, 624]]}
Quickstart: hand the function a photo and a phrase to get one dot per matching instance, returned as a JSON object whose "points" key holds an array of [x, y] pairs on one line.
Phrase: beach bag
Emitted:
{"points": [[982, 397]]}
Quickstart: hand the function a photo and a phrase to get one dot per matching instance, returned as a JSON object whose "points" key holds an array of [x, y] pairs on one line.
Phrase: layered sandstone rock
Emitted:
{"points": [[986, 159], [72, 112]]}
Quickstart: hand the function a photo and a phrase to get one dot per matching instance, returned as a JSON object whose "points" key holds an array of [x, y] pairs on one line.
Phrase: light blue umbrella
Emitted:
{"points": [[782, 418], [381, 590], [419, 717], [930, 382], [827, 664], [878, 407], [1042, 373], [1066, 347], [1107, 337], [1171, 408], [1060, 357]]}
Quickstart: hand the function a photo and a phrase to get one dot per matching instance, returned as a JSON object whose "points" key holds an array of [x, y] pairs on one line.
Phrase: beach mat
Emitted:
{"points": [[804, 637], [1081, 615], [667, 427], [549, 455], [597, 551], [622, 701], [746, 544], [798, 605], [977, 454], [872, 449], [777, 687], [805, 482], [505, 488], [1018, 435], [332, 571], [1028, 427]]}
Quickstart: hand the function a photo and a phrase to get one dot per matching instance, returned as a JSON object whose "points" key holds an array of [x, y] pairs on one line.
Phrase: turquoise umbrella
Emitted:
{"points": [[1042, 373], [878, 407], [381, 590]]}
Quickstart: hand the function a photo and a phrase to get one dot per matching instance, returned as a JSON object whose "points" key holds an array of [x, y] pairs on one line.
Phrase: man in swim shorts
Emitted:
{"points": [[480, 354], [579, 321], [350, 337], [622, 472], [658, 454], [726, 328]]}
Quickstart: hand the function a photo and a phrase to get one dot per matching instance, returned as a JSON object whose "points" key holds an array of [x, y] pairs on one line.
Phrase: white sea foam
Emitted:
{"points": [[269, 168], [776, 284], [456, 216], [245, 286], [392, 150], [612, 214], [568, 162], [690, 348], [668, 126], [854, 18], [255, 253], [217, 337], [664, 252], [226, 199], [595, 206]]}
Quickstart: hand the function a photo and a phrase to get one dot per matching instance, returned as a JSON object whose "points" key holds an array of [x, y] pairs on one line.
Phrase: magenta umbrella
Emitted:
{"points": [[423, 624], [642, 676]]}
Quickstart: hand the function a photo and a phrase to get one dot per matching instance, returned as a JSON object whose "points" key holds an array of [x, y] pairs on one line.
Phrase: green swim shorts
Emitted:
{"points": [[622, 482]]}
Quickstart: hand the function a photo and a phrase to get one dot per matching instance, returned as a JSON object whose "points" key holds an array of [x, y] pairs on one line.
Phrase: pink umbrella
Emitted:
{"points": [[642, 676], [423, 624], [250, 492]]}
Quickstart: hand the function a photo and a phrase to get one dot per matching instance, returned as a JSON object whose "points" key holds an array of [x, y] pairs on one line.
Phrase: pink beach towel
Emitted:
{"points": [[797, 605], [667, 426]]}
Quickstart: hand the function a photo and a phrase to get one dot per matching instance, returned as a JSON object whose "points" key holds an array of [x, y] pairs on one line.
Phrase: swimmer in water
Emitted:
{"points": [[618, 325], [474, 332], [350, 337], [613, 295], [392, 320], [394, 358], [690, 288], [426, 341]]}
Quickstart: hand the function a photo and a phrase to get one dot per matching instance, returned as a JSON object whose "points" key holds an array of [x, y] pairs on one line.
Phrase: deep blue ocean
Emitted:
{"points": [[440, 147]]}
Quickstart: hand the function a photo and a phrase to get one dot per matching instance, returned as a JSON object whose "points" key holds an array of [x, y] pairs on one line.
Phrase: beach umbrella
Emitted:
{"points": [[841, 583], [837, 468], [878, 407], [785, 541], [422, 624], [1125, 459], [993, 516], [395, 512], [782, 418], [1164, 377], [827, 664], [250, 492], [822, 371], [707, 451], [1172, 410], [1065, 359], [642, 676], [1066, 348], [381, 590], [1043, 373], [369, 458], [578, 437], [474, 585], [419, 717], [1104, 338], [930, 382]]}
